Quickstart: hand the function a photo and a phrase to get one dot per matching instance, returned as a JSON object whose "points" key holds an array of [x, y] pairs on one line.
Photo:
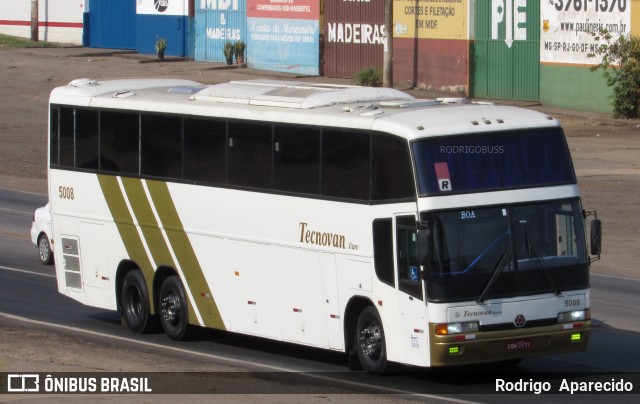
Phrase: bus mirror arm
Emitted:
{"points": [[423, 245], [595, 236]]}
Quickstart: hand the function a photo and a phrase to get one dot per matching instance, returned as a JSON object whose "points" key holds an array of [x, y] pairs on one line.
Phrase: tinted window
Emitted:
{"points": [[87, 138], [205, 150], [409, 274], [383, 250], [54, 136], [67, 128], [490, 161], [297, 159], [161, 141], [345, 164], [391, 169], [250, 155], [119, 142]]}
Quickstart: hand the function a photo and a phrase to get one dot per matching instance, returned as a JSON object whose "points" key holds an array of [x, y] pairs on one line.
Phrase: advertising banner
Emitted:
{"points": [[216, 23], [435, 19], [162, 7], [284, 35], [567, 27]]}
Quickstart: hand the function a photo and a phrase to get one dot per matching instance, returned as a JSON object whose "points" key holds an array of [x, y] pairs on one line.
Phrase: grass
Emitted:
{"points": [[7, 41]]}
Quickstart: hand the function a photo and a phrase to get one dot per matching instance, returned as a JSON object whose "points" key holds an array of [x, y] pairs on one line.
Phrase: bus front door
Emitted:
{"points": [[410, 292]]}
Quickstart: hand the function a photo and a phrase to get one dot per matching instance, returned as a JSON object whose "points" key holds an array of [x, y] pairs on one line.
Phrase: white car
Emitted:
{"points": [[41, 234]]}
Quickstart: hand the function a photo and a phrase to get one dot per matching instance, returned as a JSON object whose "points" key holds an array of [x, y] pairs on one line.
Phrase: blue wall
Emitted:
{"points": [[173, 28]]}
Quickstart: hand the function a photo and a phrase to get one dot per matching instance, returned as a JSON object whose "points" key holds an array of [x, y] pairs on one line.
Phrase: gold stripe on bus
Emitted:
{"points": [[125, 225], [185, 254], [151, 231], [147, 221]]}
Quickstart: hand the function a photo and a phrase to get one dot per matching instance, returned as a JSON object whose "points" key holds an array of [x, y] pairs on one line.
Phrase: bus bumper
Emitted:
{"points": [[496, 346]]}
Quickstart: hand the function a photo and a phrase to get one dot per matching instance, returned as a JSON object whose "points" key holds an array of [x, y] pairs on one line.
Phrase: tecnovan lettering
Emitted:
{"points": [[321, 238]]}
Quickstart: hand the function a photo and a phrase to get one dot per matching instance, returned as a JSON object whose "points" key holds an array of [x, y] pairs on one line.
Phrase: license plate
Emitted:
{"points": [[520, 344]]}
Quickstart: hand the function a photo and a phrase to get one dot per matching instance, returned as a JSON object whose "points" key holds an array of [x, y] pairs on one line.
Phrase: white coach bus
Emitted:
{"points": [[361, 220]]}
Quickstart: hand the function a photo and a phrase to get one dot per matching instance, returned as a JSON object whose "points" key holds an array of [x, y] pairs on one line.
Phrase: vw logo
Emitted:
{"points": [[519, 321]]}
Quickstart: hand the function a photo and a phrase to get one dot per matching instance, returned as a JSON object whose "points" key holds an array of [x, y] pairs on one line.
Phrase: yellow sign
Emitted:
{"points": [[438, 19]]}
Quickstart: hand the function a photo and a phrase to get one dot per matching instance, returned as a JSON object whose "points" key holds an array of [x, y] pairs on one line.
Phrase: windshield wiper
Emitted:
{"points": [[497, 270], [534, 255]]}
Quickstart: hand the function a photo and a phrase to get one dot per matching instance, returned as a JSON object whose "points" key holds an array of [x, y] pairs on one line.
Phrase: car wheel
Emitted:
{"points": [[135, 303], [174, 311], [370, 341], [44, 250]]}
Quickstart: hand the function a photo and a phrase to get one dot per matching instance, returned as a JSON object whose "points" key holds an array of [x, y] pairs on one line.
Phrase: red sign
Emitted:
{"points": [[289, 9]]}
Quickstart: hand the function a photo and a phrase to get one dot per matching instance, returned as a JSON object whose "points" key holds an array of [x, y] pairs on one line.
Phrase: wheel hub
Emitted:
{"points": [[169, 308], [371, 342]]}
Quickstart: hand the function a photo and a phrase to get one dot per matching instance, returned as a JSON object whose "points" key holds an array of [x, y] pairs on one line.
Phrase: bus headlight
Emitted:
{"points": [[457, 328], [576, 315]]}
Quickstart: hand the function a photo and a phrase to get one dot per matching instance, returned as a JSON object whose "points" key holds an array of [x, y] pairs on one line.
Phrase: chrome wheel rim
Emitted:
{"points": [[371, 342]]}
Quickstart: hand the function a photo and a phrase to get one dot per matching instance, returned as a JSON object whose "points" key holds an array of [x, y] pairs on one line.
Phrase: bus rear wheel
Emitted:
{"points": [[370, 341], [174, 314], [135, 303]]}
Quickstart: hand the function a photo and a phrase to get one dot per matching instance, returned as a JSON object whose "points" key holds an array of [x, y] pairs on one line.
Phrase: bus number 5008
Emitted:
{"points": [[572, 303], [65, 192]]}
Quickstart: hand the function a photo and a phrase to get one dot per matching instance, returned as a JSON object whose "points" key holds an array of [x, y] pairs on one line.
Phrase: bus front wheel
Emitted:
{"points": [[174, 315], [370, 341], [135, 302]]}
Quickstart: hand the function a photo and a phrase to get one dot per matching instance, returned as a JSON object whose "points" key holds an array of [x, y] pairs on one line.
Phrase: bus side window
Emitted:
{"points": [[345, 164], [205, 150], [250, 158], [119, 142], [391, 169], [87, 138], [67, 137], [296, 163], [409, 278], [161, 146], [383, 250], [53, 157]]}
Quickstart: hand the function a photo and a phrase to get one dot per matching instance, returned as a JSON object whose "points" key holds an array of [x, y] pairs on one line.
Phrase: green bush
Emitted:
{"points": [[621, 69], [370, 76]]}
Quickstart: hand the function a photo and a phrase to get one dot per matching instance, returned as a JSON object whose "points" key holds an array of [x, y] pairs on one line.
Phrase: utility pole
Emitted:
{"points": [[34, 20], [387, 61]]}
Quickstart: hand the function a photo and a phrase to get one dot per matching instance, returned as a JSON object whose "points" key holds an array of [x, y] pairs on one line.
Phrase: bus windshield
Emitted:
{"points": [[492, 161], [528, 249]]}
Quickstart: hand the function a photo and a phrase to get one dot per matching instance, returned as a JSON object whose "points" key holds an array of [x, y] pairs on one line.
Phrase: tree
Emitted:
{"points": [[620, 63]]}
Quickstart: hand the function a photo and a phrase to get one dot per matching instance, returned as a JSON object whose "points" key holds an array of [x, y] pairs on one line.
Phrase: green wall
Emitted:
{"points": [[574, 87]]}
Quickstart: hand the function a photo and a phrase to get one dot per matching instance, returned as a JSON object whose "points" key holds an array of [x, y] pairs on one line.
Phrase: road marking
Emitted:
{"points": [[387, 390], [16, 211], [27, 272], [616, 277]]}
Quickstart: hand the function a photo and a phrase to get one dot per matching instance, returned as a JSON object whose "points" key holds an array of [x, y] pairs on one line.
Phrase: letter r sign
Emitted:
{"points": [[442, 174]]}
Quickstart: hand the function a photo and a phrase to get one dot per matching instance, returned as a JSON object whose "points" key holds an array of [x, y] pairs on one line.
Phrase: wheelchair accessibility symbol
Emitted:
{"points": [[413, 274]]}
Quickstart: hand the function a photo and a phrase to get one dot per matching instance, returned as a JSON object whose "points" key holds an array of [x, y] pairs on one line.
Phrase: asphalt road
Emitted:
{"points": [[28, 291]]}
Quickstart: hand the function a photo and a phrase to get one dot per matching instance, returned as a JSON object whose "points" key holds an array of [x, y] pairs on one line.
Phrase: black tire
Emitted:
{"points": [[174, 310], [44, 250], [370, 342], [135, 303]]}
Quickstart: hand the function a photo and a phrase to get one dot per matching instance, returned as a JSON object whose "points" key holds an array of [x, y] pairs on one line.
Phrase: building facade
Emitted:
{"points": [[502, 49]]}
